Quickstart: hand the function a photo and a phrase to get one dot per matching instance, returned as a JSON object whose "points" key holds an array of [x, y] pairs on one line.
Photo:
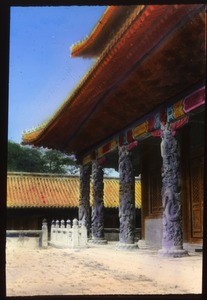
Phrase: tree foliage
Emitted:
{"points": [[28, 159]]}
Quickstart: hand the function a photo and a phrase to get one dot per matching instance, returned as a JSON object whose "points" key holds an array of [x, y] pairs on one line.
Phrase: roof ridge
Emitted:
{"points": [[41, 174], [36, 174]]}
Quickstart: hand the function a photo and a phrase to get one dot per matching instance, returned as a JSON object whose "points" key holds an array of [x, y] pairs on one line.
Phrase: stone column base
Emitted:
{"points": [[98, 241], [124, 246], [172, 252]]}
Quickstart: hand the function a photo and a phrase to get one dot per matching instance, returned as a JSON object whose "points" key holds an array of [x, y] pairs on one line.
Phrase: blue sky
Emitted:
{"points": [[42, 74]]}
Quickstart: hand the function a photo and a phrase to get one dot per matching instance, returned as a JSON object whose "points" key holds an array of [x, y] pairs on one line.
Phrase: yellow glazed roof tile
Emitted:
{"points": [[27, 190]]}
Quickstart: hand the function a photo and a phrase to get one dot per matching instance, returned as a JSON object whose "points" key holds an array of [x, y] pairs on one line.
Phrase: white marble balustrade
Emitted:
{"points": [[67, 236]]}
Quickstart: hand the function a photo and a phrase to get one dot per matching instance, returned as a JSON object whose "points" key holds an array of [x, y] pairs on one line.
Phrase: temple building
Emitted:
{"points": [[32, 197], [140, 110]]}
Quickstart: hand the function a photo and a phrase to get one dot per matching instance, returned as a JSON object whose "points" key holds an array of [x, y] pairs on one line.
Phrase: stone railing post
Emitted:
{"points": [[62, 235], [172, 240], [82, 236], [52, 231], [57, 226], [75, 234], [68, 224], [44, 234], [68, 233]]}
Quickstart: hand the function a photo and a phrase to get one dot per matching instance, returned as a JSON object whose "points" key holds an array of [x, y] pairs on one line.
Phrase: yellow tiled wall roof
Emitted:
{"points": [[47, 190]]}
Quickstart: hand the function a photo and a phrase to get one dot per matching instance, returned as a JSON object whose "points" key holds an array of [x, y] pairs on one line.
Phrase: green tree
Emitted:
{"points": [[24, 158], [28, 159], [57, 162]]}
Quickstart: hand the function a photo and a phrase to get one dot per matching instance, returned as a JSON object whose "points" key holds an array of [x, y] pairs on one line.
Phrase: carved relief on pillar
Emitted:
{"points": [[84, 201], [126, 197], [98, 205], [171, 193]]}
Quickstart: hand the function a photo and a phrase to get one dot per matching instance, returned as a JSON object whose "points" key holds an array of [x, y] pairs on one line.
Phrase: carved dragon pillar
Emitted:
{"points": [[172, 240], [84, 201], [126, 200], [98, 204]]}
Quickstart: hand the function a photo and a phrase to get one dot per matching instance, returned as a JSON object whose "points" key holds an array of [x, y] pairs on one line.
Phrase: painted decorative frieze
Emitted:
{"points": [[194, 101], [150, 126], [140, 129], [87, 159], [106, 148]]}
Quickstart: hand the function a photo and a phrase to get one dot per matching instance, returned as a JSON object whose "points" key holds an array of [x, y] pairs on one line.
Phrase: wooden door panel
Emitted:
{"points": [[197, 197], [155, 186]]}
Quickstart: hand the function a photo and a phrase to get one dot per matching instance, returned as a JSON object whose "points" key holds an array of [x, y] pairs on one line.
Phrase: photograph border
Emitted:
{"points": [[4, 90]]}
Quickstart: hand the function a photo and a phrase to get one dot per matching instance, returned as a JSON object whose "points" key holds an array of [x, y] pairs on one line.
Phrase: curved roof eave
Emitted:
{"points": [[33, 135], [80, 104], [103, 32]]}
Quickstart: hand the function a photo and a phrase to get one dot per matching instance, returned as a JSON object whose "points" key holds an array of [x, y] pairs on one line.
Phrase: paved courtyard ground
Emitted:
{"points": [[100, 270]]}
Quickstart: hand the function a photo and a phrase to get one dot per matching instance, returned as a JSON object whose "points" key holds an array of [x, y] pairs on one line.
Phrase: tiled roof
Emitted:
{"points": [[105, 30], [27, 190], [123, 73]]}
